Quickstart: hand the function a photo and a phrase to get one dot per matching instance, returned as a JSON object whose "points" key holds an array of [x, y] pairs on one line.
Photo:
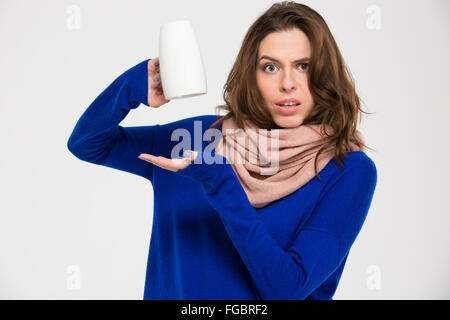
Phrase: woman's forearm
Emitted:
{"points": [[98, 126]]}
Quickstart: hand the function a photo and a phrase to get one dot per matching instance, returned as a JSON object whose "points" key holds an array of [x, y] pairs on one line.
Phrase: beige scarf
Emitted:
{"points": [[271, 164]]}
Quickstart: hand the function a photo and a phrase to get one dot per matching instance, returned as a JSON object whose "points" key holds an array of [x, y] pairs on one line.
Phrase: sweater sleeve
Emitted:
{"points": [[316, 250], [98, 138]]}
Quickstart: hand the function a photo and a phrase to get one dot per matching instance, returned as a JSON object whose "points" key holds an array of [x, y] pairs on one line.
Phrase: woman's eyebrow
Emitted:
{"points": [[305, 59]]}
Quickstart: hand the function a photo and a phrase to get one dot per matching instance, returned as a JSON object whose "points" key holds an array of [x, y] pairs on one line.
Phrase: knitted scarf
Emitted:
{"points": [[271, 164]]}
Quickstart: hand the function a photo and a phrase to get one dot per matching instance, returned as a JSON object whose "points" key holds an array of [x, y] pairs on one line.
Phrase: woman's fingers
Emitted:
{"points": [[154, 75], [170, 164], [155, 92], [161, 162], [153, 66]]}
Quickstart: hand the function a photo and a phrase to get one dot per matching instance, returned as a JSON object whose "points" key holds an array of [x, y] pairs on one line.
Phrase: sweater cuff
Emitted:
{"points": [[138, 77]]}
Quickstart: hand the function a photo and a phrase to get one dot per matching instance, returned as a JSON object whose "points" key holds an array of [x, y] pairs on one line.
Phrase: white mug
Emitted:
{"points": [[180, 61]]}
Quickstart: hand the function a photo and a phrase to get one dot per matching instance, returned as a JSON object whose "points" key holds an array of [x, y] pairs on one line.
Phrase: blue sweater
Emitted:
{"points": [[207, 240]]}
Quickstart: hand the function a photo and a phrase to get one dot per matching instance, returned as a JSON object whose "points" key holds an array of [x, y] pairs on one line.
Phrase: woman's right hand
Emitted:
{"points": [[156, 96]]}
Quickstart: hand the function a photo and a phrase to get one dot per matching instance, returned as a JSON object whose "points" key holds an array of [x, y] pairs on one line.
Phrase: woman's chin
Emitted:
{"points": [[288, 122]]}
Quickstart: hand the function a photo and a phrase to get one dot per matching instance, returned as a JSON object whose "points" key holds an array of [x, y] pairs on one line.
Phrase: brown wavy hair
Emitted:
{"points": [[330, 82]]}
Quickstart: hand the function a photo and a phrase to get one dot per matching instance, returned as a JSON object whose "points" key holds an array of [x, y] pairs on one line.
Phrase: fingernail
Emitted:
{"points": [[155, 78]]}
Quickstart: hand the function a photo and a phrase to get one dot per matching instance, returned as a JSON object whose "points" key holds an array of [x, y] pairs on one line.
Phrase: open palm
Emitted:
{"points": [[170, 164]]}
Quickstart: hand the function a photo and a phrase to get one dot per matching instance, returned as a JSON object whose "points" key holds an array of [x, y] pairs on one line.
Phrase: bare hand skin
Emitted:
{"points": [[170, 164], [156, 96]]}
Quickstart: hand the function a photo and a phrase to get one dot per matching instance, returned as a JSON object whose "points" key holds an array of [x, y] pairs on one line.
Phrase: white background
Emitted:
{"points": [[63, 219]]}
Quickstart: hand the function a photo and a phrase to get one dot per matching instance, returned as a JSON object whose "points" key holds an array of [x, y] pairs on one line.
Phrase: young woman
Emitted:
{"points": [[234, 229]]}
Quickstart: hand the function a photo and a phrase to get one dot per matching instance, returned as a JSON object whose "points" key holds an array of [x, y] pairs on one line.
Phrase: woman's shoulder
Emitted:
{"points": [[359, 160], [357, 166], [358, 172]]}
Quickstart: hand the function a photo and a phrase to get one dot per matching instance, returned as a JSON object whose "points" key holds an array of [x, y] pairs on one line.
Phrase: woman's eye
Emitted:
{"points": [[268, 65], [265, 68], [304, 64]]}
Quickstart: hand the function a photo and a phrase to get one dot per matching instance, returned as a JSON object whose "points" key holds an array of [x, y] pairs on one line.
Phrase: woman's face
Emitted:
{"points": [[281, 74]]}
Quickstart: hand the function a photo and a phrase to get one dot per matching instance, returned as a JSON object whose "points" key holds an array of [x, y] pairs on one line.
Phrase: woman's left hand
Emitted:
{"points": [[170, 164]]}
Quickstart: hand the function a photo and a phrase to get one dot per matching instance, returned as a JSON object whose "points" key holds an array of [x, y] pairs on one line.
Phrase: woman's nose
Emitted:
{"points": [[288, 80], [287, 83]]}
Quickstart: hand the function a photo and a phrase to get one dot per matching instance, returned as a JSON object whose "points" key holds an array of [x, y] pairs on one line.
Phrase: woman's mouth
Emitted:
{"points": [[287, 109]]}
